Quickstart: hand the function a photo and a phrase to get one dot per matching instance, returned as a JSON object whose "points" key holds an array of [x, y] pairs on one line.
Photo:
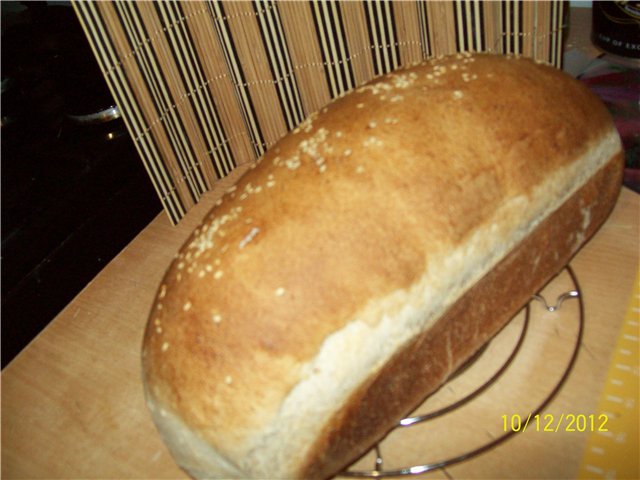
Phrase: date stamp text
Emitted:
{"points": [[549, 422]]}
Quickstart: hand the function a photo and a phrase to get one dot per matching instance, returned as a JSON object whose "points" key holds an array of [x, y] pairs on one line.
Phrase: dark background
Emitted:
{"points": [[73, 194]]}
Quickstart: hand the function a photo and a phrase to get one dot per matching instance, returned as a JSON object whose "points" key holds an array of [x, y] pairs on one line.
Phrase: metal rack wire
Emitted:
{"points": [[378, 470]]}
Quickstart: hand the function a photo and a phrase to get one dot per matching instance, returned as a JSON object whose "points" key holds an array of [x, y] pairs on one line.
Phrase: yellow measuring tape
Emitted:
{"points": [[614, 453]]}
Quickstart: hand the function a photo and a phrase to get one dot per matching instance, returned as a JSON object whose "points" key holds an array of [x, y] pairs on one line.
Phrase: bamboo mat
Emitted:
{"points": [[206, 86]]}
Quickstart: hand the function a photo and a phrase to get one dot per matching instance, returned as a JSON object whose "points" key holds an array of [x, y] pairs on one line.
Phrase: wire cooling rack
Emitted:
{"points": [[378, 470]]}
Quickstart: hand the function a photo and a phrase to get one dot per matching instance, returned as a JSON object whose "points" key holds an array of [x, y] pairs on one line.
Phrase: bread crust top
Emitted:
{"points": [[352, 206]]}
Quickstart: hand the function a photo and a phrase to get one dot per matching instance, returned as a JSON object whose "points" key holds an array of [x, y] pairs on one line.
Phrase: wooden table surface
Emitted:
{"points": [[72, 401]]}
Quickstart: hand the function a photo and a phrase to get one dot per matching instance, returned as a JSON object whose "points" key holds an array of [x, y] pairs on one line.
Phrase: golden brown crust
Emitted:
{"points": [[355, 205]]}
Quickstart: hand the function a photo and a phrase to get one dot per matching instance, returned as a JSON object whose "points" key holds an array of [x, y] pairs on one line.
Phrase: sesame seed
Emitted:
{"points": [[360, 169], [201, 274], [187, 306], [165, 346], [228, 380], [163, 291], [270, 183], [322, 168], [157, 321], [158, 330], [457, 94], [360, 105], [372, 141], [279, 291], [372, 124], [347, 152], [401, 81], [217, 318], [218, 275], [339, 134], [293, 163], [254, 231]]}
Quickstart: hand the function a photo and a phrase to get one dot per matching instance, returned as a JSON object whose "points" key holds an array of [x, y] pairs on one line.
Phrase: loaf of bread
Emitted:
{"points": [[366, 256]]}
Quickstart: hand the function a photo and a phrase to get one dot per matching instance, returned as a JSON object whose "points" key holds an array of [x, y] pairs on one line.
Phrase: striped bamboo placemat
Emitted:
{"points": [[206, 86]]}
